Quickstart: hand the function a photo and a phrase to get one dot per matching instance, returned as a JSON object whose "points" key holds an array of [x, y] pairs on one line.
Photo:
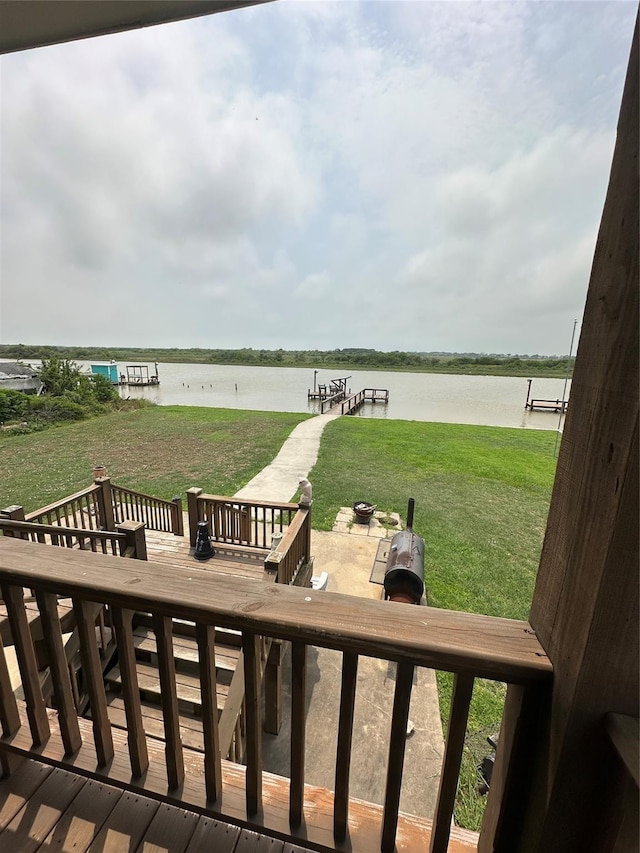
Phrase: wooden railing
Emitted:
{"points": [[251, 524], [127, 540], [294, 549], [81, 510], [468, 645], [156, 513], [328, 402], [103, 505]]}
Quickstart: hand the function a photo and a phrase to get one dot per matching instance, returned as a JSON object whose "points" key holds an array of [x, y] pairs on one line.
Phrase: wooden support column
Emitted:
{"points": [[585, 605], [192, 509], [136, 538], [36, 710], [105, 503], [177, 521]]}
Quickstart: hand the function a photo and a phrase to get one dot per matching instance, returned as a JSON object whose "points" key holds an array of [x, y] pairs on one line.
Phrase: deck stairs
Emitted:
{"points": [[229, 681]]}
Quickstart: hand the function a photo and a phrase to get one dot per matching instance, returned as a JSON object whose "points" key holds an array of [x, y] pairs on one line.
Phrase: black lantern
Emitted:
{"points": [[204, 548]]}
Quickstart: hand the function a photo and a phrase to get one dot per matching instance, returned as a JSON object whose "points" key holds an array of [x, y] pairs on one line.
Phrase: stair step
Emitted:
{"points": [[183, 628], [185, 649], [187, 686], [153, 723]]}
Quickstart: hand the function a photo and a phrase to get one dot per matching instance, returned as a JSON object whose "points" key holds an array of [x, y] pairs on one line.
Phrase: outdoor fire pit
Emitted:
{"points": [[363, 511]]}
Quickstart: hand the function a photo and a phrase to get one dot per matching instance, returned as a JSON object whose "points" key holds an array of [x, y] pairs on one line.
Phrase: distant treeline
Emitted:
{"points": [[354, 358]]}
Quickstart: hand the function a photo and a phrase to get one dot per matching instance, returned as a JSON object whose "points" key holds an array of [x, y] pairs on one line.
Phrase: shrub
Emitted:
{"points": [[13, 405]]}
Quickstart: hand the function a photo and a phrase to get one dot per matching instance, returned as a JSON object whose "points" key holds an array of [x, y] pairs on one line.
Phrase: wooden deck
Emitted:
{"points": [[47, 808], [171, 550]]}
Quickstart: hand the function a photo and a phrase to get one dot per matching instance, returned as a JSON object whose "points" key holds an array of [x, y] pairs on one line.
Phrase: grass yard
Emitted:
{"points": [[159, 450], [482, 497]]}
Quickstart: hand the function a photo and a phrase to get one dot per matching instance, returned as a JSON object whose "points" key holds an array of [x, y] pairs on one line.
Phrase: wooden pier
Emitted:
{"points": [[351, 404], [559, 406], [547, 405], [336, 399]]}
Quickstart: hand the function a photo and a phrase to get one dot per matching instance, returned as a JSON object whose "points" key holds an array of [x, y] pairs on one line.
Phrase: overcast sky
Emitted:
{"points": [[398, 175]]}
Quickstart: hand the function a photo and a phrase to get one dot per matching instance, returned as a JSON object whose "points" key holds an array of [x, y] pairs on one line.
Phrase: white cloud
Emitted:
{"points": [[289, 174]]}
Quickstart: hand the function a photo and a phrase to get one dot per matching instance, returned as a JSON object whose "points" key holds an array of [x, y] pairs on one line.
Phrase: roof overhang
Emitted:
{"points": [[26, 24]]}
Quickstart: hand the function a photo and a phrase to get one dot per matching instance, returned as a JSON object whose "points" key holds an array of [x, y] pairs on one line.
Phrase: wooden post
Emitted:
{"points": [[136, 539], [69, 729], [585, 604], [253, 785], [23, 644], [14, 513], [177, 521], [136, 739], [105, 504], [273, 688], [192, 508]]}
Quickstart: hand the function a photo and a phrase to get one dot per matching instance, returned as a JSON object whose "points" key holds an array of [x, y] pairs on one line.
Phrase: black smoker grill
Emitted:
{"points": [[404, 574]]}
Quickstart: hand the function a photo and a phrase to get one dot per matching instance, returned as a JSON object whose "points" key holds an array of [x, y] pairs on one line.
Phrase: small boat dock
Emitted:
{"points": [[337, 399], [559, 406], [137, 374], [547, 405]]}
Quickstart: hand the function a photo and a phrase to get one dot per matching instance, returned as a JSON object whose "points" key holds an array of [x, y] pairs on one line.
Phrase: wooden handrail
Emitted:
{"points": [[45, 510], [467, 644], [236, 521], [82, 509], [130, 505], [105, 541], [293, 550]]}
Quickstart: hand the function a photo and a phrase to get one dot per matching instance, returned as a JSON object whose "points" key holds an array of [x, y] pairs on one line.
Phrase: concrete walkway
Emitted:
{"points": [[297, 456], [347, 557]]}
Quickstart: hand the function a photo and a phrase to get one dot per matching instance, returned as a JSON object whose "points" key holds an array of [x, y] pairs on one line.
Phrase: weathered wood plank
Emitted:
{"points": [[167, 672], [213, 835], [83, 819], [212, 766], [170, 831], [31, 825], [9, 717], [364, 821], [456, 732], [484, 646], [298, 730], [61, 683], [92, 673], [130, 690], [125, 827], [253, 702], [16, 789], [14, 600], [345, 735], [395, 764]]}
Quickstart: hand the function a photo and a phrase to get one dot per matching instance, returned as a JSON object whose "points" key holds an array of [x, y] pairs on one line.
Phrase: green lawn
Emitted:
{"points": [[160, 450], [482, 496]]}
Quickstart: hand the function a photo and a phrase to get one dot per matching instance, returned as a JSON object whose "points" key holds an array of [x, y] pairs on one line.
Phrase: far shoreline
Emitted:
{"points": [[343, 361]]}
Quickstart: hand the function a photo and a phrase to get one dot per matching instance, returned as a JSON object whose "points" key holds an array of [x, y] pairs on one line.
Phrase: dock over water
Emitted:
{"points": [[336, 399]]}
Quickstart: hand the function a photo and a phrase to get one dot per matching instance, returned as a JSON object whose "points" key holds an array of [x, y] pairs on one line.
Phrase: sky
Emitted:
{"points": [[418, 176]]}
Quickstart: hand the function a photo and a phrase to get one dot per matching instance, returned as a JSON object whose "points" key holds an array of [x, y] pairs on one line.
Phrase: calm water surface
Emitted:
{"points": [[482, 400]]}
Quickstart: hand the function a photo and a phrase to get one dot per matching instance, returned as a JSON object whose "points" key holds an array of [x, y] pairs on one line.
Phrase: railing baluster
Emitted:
{"points": [[85, 613], [36, 710], [9, 716], [207, 664], [298, 728], [345, 735], [52, 633], [162, 626], [460, 700], [137, 740], [397, 741], [251, 649]]}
